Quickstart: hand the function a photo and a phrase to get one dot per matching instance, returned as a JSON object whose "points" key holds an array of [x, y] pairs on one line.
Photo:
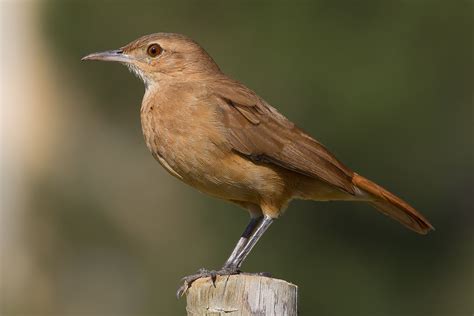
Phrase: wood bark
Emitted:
{"points": [[242, 295]]}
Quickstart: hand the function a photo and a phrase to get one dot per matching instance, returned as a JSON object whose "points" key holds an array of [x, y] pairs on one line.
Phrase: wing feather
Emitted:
{"points": [[258, 131]]}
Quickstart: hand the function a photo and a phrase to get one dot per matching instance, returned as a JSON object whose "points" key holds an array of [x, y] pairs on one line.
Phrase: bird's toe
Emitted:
{"points": [[203, 273]]}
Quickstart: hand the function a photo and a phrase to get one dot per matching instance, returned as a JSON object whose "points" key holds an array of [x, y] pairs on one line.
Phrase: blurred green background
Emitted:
{"points": [[92, 225]]}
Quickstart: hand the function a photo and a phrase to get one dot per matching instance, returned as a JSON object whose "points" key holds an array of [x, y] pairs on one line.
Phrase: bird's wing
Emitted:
{"points": [[256, 130]]}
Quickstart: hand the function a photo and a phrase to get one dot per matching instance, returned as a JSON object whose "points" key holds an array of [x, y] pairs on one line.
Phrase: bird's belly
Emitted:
{"points": [[210, 170], [199, 157]]}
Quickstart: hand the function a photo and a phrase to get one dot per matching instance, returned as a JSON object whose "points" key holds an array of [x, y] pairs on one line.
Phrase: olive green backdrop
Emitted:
{"points": [[386, 85]]}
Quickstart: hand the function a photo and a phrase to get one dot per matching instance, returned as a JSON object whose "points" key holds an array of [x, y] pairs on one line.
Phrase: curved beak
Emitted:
{"points": [[110, 55]]}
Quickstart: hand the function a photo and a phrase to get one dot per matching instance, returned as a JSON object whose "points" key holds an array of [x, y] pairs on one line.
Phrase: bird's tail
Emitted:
{"points": [[392, 206]]}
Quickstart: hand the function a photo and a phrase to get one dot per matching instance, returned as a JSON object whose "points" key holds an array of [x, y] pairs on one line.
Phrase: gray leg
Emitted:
{"points": [[230, 267], [242, 241], [240, 256]]}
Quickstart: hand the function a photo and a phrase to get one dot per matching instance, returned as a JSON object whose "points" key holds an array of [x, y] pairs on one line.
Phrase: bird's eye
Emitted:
{"points": [[154, 50]]}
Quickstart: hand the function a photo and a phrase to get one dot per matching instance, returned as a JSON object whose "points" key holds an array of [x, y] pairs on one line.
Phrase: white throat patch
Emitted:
{"points": [[137, 72]]}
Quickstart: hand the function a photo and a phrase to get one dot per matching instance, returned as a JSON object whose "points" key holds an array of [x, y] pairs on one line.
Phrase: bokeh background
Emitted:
{"points": [[92, 225]]}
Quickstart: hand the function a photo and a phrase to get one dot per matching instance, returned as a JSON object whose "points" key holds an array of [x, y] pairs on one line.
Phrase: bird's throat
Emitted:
{"points": [[139, 73]]}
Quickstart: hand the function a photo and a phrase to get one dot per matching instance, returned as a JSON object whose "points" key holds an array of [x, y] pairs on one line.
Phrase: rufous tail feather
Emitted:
{"points": [[392, 206]]}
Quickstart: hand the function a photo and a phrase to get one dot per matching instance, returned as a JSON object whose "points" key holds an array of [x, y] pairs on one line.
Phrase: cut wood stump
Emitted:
{"points": [[242, 294]]}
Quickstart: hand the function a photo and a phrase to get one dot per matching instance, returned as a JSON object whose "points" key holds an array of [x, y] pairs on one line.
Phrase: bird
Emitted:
{"points": [[218, 136]]}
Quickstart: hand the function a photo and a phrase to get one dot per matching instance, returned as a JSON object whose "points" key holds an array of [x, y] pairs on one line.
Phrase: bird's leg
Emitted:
{"points": [[254, 221], [228, 267], [239, 258]]}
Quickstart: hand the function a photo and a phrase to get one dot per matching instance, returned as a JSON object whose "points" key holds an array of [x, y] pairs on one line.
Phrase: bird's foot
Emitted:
{"points": [[204, 273]]}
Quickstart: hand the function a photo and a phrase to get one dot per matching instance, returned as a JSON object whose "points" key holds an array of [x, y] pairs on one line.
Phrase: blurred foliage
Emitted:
{"points": [[387, 85]]}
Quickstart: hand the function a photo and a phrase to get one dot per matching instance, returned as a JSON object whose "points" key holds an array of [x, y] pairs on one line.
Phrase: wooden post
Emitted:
{"points": [[242, 294]]}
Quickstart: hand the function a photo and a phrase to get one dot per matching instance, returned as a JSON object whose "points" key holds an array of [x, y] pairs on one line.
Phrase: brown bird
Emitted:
{"points": [[220, 137]]}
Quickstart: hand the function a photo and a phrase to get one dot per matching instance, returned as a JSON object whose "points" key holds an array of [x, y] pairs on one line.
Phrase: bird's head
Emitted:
{"points": [[162, 56]]}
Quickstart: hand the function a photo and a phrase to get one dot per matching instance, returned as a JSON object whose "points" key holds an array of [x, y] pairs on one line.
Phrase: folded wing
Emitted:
{"points": [[257, 131]]}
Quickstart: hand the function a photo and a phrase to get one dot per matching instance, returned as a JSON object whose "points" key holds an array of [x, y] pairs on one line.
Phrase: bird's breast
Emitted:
{"points": [[184, 137], [188, 140]]}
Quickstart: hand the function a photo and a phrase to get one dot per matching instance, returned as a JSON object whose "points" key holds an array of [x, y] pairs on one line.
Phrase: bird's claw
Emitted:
{"points": [[203, 273]]}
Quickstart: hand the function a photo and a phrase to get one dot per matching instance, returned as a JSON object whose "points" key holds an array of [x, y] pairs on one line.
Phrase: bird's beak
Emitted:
{"points": [[110, 55]]}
